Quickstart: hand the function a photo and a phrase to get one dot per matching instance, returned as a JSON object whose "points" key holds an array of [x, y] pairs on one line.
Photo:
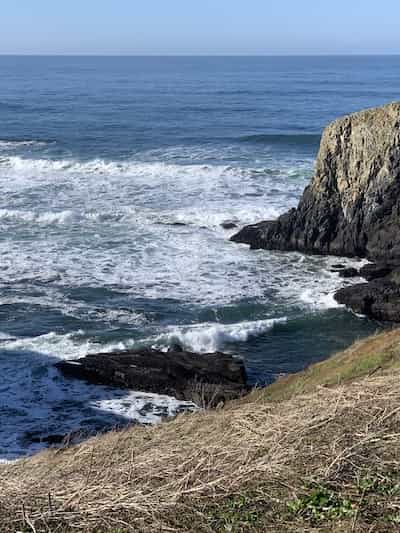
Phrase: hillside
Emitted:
{"points": [[316, 451]]}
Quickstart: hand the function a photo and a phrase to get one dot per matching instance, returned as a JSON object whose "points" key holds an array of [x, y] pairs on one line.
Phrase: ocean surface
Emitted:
{"points": [[115, 177]]}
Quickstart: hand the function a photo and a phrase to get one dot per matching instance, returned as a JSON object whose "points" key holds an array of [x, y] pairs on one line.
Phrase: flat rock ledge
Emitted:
{"points": [[207, 380]]}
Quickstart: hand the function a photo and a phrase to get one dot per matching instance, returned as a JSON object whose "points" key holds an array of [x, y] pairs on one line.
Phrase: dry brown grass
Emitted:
{"points": [[251, 466]]}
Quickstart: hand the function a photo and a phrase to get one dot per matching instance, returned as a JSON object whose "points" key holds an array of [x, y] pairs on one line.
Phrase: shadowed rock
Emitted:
{"points": [[378, 299], [349, 272], [206, 379], [228, 225], [373, 271]]}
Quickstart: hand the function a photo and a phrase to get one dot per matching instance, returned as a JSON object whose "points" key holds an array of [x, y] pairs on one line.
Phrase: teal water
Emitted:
{"points": [[115, 177]]}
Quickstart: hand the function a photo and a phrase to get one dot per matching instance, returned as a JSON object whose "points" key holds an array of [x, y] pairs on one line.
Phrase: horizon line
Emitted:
{"points": [[397, 54]]}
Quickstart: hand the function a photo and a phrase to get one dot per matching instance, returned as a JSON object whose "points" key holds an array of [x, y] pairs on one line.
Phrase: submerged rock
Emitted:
{"points": [[352, 206], [205, 379]]}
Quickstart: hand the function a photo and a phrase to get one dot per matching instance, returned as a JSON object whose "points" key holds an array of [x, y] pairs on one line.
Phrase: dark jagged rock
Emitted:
{"points": [[349, 272], [206, 379], [338, 266], [228, 225], [352, 206], [372, 271], [174, 223], [379, 299]]}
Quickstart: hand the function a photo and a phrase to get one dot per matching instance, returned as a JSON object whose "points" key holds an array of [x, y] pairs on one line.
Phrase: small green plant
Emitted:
{"points": [[321, 504], [384, 486], [238, 513], [394, 518]]}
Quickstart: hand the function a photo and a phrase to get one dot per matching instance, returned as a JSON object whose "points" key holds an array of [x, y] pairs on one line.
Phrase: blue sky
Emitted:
{"points": [[199, 27]]}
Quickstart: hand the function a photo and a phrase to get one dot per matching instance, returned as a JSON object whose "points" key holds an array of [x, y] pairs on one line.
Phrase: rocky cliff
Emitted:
{"points": [[352, 206]]}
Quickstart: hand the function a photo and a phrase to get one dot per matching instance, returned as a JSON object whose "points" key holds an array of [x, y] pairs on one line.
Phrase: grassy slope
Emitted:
{"points": [[317, 451]]}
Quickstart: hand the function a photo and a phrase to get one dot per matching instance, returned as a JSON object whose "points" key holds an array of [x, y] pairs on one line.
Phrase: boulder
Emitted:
{"points": [[352, 206], [349, 272], [228, 225], [373, 271], [205, 379], [379, 299]]}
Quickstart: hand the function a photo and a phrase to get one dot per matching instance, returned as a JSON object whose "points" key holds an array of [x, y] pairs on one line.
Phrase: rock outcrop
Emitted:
{"points": [[205, 379], [379, 298], [352, 206]]}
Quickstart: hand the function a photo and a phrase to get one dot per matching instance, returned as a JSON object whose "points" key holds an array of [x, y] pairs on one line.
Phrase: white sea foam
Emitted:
{"points": [[143, 408], [26, 166], [120, 231], [211, 337], [12, 145], [206, 177], [45, 218], [69, 346]]}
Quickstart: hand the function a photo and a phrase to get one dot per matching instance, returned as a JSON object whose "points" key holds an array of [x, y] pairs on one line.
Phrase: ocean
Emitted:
{"points": [[116, 174]]}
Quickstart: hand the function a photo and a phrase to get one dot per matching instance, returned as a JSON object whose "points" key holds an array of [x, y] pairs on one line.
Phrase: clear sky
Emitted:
{"points": [[200, 27]]}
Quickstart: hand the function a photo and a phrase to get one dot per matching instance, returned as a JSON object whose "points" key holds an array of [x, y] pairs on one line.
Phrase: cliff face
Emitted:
{"points": [[352, 206]]}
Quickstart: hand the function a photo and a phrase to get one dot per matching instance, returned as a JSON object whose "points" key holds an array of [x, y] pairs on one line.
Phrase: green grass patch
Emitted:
{"points": [[380, 485], [236, 514], [321, 504]]}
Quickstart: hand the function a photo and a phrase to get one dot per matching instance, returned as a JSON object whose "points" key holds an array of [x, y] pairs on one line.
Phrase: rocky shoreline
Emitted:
{"points": [[350, 209]]}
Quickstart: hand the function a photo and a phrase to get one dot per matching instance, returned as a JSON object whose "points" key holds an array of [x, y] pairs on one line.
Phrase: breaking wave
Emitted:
{"points": [[209, 337]]}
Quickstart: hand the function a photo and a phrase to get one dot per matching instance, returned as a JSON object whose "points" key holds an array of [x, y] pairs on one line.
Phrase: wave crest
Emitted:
{"points": [[46, 218], [212, 337]]}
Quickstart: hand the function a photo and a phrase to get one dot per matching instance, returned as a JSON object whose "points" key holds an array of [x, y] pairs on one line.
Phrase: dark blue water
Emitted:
{"points": [[115, 177]]}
